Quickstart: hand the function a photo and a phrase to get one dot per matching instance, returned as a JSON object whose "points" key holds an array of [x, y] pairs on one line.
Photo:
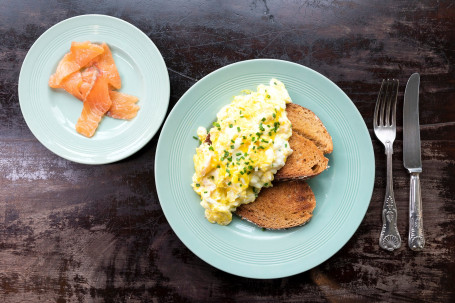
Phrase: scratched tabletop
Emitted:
{"points": [[77, 233]]}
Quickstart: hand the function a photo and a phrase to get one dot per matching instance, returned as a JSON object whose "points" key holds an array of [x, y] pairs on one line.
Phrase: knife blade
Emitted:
{"points": [[411, 127], [412, 160]]}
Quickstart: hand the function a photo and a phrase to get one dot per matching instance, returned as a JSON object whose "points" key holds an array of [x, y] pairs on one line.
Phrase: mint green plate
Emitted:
{"points": [[52, 114], [342, 192]]}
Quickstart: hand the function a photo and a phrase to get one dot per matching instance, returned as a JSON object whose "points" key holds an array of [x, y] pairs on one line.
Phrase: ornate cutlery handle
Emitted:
{"points": [[416, 239], [390, 238]]}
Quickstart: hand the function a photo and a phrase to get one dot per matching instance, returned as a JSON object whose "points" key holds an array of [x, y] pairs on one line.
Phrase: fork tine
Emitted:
{"points": [[389, 101], [394, 106], [378, 103], [383, 102]]}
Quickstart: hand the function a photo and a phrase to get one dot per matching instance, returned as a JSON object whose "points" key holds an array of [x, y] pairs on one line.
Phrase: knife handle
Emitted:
{"points": [[416, 239]]}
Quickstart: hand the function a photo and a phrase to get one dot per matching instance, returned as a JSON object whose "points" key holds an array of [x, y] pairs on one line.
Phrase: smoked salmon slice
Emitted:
{"points": [[106, 63], [95, 107], [79, 84], [80, 55], [72, 84], [65, 67], [123, 106], [85, 52], [88, 72], [88, 76]]}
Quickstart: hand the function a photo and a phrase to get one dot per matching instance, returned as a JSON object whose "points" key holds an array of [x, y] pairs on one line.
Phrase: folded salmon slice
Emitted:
{"points": [[79, 83], [123, 106], [80, 55], [106, 63], [85, 52], [95, 106]]}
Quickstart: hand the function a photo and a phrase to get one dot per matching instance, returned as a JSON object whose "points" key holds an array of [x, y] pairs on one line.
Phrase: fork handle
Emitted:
{"points": [[390, 238], [416, 238]]}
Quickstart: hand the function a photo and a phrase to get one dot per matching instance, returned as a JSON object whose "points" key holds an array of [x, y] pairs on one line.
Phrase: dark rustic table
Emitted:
{"points": [[75, 233]]}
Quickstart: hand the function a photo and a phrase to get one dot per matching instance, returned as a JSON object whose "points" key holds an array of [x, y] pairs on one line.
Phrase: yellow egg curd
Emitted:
{"points": [[246, 146]]}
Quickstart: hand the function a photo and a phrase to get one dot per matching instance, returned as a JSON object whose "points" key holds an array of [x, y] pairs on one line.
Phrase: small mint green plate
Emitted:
{"points": [[343, 192], [52, 114]]}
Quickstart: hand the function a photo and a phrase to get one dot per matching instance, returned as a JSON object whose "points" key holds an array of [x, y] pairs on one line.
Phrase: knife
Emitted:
{"points": [[412, 160]]}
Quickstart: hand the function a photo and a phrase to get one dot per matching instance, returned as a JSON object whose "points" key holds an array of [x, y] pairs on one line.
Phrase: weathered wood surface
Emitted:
{"points": [[76, 233]]}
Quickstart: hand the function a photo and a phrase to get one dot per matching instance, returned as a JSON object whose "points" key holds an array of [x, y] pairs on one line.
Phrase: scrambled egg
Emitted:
{"points": [[243, 150]]}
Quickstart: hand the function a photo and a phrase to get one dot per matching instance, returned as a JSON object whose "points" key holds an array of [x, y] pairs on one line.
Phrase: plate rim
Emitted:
{"points": [[135, 146], [257, 274]]}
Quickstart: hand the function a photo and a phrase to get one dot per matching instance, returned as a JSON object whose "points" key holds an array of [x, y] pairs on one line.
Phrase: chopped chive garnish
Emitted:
{"points": [[232, 146], [230, 125], [232, 141], [218, 166], [195, 138], [241, 172], [274, 115], [266, 184], [250, 167], [211, 148], [238, 154], [229, 183], [265, 141], [230, 159], [213, 177], [245, 154], [244, 137], [238, 129], [286, 145], [197, 184], [261, 147], [268, 96], [270, 134], [263, 119]]}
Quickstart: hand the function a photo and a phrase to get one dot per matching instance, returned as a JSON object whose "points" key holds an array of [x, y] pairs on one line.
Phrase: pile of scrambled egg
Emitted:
{"points": [[243, 150]]}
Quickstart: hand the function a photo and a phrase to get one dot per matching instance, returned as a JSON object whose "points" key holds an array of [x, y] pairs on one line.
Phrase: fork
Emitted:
{"points": [[384, 123]]}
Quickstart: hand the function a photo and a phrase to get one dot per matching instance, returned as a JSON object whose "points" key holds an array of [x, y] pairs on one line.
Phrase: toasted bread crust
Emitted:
{"points": [[306, 160], [307, 124], [285, 205]]}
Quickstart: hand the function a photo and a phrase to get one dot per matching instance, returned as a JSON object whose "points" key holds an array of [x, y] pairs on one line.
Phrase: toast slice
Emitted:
{"points": [[307, 124], [306, 161], [285, 205]]}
